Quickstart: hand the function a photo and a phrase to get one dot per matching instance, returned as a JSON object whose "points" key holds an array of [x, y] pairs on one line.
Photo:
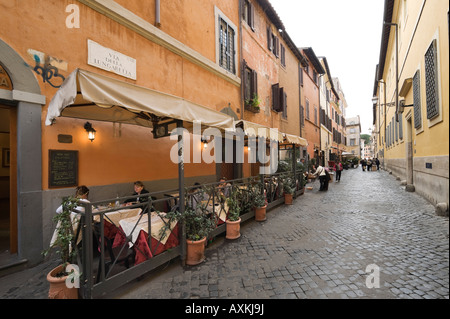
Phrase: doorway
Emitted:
{"points": [[8, 197]]}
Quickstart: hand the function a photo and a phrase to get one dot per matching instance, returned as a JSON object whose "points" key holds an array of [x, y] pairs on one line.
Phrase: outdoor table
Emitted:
{"points": [[221, 212], [139, 235]]}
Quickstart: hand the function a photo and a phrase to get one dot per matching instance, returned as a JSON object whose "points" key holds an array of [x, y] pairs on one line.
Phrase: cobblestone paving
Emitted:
{"points": [[320, 247]]}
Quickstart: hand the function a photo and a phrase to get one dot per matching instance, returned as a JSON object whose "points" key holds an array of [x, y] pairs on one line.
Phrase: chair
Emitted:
{"points": [[119, 255]]}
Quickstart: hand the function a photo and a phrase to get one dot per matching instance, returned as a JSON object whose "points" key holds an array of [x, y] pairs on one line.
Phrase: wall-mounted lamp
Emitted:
{"points": [[205, 143], [91, 132]]}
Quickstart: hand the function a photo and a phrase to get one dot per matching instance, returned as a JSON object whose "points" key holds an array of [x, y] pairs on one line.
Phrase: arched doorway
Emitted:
{"points": [[22, 103]]}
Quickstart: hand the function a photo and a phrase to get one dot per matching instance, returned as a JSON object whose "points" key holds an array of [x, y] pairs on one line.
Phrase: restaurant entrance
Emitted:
{"points": [[8, 202]]}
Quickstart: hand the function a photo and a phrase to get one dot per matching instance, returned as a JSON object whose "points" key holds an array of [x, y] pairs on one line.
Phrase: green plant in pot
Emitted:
{"points": [[198, 225], [289, 189], [64, 242], [259, 201], [233, 220]]}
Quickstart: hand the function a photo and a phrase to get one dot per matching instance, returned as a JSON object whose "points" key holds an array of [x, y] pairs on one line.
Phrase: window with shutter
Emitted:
{"points": [[283, 55], [284, 103], [417, 104], [400, 126], [431, 81], [226, 46], [307, 109], [276, 97]]}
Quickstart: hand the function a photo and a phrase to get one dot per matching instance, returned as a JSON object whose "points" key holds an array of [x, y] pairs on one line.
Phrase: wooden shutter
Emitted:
{"points": [[269, 39], [276, 50], [276, 97], [251, 16], [254, 83]]}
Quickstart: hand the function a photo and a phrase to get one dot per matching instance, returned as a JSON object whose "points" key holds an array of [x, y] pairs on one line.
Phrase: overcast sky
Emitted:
{"points": [[348, 34]]}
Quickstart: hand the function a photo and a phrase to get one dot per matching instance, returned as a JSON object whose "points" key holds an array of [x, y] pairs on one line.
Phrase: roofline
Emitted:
{"points": [[330, 78], [386, 32], [309, 52]]}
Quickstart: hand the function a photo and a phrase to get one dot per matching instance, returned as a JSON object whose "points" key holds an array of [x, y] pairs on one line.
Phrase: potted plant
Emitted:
{"points": [[253, 104], [198, 225], [289, 189], [64, 241], [260, 204], [233, 222]]}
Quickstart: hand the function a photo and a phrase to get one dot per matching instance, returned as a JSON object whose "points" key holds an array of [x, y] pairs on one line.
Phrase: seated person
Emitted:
{"points": [[82, 193], [139, 189], [224, 188]]}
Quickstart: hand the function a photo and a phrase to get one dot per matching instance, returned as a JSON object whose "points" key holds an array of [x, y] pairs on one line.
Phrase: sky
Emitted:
{"points": [[348, 34]]}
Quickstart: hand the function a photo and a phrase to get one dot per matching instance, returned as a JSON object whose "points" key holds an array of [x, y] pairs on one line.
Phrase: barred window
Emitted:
{"points": [[400, 126], [431, 81], [417, 106], [226, 50]]}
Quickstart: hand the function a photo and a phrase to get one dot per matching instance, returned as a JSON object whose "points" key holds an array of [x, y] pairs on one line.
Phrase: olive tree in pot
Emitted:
{"points": [[233, 230], [64, 277], [289, 189], [260, 203], [198, 225]]}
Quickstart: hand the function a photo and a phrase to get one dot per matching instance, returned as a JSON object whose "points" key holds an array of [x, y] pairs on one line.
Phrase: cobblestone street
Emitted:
{"points": [[320, 247]]}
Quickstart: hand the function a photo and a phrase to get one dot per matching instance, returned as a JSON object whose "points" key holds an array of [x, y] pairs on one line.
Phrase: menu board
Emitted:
{"points": [[63, 168]]}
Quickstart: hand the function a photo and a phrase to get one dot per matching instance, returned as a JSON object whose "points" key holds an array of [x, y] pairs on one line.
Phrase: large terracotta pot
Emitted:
{"points": [[260, 213], [58, 288], [288, 199], [233, 229], [195, 251]]}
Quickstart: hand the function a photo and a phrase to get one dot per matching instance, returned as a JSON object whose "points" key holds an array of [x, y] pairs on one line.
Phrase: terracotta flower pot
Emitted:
{"points": [[195, 251], [233, 229], [260, 213], [288, 199], [58, 288]]}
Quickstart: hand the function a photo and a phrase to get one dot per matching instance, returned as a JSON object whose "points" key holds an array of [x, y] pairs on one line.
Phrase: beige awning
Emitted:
{"points": [[258, 130], [294, 139], [88, 95]]}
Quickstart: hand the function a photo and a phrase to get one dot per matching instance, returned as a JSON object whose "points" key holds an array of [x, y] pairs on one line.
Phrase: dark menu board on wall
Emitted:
{"points": [[63, 168]]}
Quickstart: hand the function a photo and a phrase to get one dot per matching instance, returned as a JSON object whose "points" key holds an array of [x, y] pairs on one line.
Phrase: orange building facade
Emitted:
{"points": [[187, 50]]}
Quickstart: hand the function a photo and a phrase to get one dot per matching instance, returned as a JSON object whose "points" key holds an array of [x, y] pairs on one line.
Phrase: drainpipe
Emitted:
{"points": [[158, 13], [241, 58]]}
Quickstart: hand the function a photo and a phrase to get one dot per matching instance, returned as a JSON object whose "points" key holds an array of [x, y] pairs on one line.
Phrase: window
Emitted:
{"points": [[352, 142], [279, 100], [315, 115], [400, 126], [283, 55], [431, 81], [417, 105], [226, 46], [248, 14], [250, 83], [272, 42], [307, 109]]}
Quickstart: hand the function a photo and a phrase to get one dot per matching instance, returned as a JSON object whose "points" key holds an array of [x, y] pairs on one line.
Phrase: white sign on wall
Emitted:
{"points": [[110, 60]]}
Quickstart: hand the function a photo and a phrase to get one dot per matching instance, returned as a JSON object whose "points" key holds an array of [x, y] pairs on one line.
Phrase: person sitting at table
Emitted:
{"points": [[195, 196], [224, 189], [139, 189], [82, 193]]}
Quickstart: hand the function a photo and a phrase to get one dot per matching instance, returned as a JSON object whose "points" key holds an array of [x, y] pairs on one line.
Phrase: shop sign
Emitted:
{"points": [[110, 60], [5, 81]]}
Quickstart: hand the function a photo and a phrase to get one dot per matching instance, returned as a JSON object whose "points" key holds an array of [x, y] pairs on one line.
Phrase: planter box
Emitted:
{"points": [[253, 109]]}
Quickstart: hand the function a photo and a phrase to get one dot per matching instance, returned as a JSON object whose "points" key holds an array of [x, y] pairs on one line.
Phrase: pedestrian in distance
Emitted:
{"points": [[338, 169], [320, 171], [369, 165], [363, 164], [377, 162]]}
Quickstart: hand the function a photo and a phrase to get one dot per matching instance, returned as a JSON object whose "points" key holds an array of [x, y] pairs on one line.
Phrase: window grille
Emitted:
{"points": [[417, 106], [431, 83], [227, 50]]}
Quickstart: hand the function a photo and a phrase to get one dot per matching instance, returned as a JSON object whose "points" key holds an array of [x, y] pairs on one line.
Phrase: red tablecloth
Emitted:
{"points": [[143, 250]]}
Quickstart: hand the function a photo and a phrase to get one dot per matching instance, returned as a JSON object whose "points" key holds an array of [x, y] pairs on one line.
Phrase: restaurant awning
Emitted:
{"points": [[258, 130], [87, 95], [294, 139]]}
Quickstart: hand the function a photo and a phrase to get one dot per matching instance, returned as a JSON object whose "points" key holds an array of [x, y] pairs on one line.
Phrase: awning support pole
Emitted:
{"points": [[181, 189]]}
